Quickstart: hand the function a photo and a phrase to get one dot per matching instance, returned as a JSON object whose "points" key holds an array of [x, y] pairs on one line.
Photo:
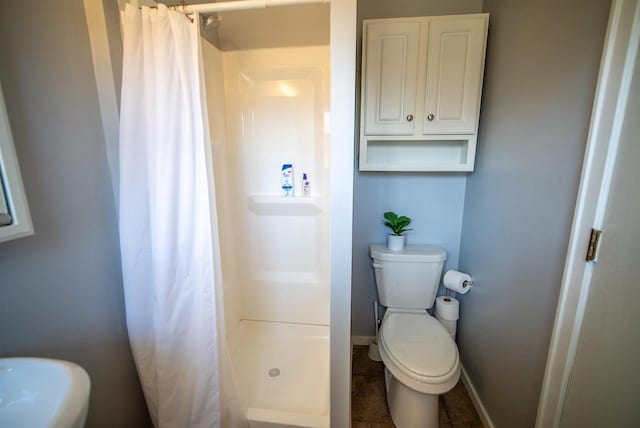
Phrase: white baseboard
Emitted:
{"points": [[475, 399], [361, 340]]}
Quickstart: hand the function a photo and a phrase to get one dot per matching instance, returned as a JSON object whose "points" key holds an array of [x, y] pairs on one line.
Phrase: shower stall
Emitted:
{"points": [[267, 77], [277, 86]]}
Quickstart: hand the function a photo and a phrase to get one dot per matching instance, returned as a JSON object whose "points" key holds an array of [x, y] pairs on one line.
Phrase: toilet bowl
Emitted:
{"points": [[420, 357], [421, 362]]}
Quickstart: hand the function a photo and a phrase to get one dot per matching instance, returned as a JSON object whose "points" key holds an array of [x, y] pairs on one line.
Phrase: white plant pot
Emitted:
{"points": [[395, 243]]}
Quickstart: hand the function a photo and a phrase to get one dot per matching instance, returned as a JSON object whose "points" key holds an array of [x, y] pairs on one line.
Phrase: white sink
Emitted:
{"points": [[39, 392]]}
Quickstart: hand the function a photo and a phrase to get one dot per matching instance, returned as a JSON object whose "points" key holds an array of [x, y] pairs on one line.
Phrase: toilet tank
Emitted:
{"points": [[408, 279]]}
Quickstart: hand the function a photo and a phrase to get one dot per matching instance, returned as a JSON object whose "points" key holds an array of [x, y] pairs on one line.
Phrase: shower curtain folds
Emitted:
{"points": [[167, 238]]}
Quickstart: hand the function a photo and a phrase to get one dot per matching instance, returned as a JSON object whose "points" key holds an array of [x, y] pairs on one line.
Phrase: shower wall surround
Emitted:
{"points": [[275, 112]]}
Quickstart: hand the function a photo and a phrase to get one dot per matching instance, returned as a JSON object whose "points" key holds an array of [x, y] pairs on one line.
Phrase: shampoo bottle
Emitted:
{"points": [[287, 180]]}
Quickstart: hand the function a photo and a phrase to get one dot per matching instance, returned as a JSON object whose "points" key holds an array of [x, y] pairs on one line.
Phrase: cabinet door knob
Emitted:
{"points": [[409, 117], [430, 117]]}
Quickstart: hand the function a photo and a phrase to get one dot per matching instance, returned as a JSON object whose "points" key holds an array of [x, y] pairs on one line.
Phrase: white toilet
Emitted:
{"points": [[420, 358]]}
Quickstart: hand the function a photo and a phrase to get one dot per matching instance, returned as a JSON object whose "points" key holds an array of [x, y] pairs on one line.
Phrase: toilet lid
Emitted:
{"points": [[419, 343]]}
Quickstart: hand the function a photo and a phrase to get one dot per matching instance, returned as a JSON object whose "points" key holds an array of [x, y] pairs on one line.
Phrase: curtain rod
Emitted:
{"points": [[243, 5]]}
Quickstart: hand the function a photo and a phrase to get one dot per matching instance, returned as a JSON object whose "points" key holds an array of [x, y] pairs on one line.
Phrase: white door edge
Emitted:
{"points": [[614, 81]]}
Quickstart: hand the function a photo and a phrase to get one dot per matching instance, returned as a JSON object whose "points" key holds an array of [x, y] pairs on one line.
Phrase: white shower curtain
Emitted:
{"points": [[169, 245]]}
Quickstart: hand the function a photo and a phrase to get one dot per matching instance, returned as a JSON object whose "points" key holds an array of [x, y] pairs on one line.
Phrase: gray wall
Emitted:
{"points": [[540, 78], [61, 289], [434, 201]]}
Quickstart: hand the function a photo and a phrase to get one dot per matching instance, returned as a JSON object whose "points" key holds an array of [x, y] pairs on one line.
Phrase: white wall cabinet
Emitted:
{"points": [[392, 77], [421, 90]]}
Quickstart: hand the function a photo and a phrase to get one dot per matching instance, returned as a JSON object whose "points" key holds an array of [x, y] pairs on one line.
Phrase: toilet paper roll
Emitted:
{"points": [[374, 352], [447, 308], [450, 326], [457, 281]]}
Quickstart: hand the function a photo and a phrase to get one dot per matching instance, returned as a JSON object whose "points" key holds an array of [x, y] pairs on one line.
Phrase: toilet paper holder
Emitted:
{"points": [[465, 284]]}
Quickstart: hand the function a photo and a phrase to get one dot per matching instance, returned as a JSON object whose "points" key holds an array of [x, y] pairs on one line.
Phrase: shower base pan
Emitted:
{"points": [[282, 370]]}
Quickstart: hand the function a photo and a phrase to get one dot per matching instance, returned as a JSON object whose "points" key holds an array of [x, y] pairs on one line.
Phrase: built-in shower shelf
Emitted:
{"points": [[279, 205]]}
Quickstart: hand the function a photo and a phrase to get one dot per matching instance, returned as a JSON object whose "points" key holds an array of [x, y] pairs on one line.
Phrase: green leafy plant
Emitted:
{"points": [[398, 224]]}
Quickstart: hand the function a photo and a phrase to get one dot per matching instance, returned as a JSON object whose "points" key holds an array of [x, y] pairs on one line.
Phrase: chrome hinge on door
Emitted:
{"points": [[594, 241]]}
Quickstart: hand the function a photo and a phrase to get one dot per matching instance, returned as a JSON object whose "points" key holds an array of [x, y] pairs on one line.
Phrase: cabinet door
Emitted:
{"points": [[455, 62], [391, 74]]}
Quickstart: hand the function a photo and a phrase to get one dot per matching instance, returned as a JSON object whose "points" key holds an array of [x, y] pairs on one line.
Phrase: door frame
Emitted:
{"points": [[614, 81]]}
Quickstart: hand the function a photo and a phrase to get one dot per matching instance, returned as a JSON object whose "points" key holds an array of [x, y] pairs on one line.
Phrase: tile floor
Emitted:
{"points": [[369, 405]]}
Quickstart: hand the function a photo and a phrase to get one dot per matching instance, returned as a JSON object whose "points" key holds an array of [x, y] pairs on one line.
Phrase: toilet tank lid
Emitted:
{"points": [[410, 253]]}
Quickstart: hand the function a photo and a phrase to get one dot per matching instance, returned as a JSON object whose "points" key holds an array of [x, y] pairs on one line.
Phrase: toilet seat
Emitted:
{"points": [[418, 351]]}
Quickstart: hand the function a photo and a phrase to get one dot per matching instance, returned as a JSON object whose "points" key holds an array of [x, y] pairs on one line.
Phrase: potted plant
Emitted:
{"points": [[398, 225]]}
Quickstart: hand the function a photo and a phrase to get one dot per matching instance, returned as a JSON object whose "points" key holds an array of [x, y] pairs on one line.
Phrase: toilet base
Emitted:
{"points": [[409, 408]]}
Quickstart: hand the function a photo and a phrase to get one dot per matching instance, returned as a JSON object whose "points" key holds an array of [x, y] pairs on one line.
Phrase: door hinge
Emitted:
{"points": [[594, 241]]}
